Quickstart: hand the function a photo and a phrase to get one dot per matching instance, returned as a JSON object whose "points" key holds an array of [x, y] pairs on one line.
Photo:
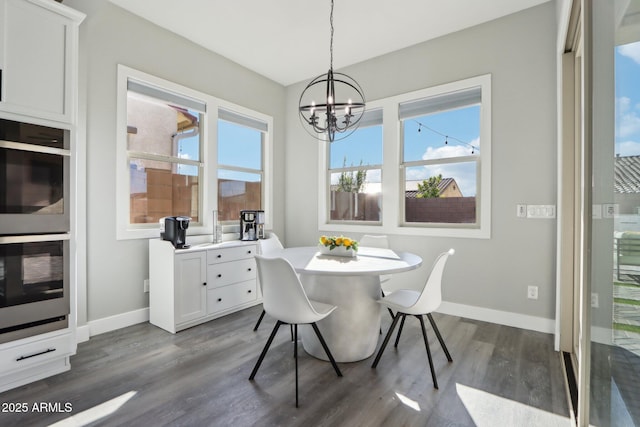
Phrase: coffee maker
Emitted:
{"points": [[174, 229], [251, 224]]}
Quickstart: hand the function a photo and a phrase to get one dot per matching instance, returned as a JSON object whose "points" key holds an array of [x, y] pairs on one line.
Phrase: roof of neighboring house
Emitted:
{"points": [[627, 174], [411, 188]]}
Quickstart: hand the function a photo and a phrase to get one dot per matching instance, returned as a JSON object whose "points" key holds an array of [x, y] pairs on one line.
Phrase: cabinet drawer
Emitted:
{"points": [[215, 256], [226, 297], [227, 273], [33, 353]]}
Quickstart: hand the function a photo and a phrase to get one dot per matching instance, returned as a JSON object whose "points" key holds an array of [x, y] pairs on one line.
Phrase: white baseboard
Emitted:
{"points": [[111, 323], [82, 333], [523, 321], [506, 318]]}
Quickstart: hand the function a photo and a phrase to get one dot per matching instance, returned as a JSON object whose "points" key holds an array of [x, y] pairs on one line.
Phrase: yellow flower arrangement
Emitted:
{"points": [[334, 242]]}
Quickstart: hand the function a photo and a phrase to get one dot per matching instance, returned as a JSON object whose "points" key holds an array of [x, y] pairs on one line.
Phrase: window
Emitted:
{"points": [[183, 152], [164, 152], [355, 171], [240, 165], [441, 153], [425, 160]]}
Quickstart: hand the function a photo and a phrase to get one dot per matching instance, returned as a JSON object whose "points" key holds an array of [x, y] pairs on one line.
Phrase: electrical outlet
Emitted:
{"points": [[532, 292], [595, 303], [145, 285]]}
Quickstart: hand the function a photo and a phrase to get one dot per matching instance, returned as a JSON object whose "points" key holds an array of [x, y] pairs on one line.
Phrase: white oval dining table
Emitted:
{"points": [[353, 285]]}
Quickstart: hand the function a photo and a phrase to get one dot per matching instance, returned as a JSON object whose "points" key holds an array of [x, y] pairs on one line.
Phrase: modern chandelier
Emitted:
{"points": [[331, 116]]}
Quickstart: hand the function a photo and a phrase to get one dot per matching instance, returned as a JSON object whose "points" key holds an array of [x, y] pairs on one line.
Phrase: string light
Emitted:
{"points": [[474, 148]]}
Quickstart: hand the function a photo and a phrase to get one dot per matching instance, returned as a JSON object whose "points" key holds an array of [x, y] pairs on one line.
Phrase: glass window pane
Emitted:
{"points": [[356, 196], [444, 193], [363, 147], [155, 127], [158, 189], [188, 146], [238, 191], [448, 134], [239, 146]]}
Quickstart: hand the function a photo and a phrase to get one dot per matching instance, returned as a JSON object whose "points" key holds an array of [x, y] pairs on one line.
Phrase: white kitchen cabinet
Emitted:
{"points": [[192, 286], [34, 358], [38, 59]]}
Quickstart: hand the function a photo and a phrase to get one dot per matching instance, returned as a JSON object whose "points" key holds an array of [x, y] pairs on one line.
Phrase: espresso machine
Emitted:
{"points": [[174, 229], [251, 224]]}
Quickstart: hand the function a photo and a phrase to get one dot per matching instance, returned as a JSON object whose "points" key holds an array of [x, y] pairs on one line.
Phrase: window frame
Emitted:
{"points": [[209, 164], [262, 172], [393, 184]]}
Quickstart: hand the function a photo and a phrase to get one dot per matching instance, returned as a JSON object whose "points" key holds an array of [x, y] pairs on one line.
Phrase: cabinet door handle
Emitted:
{"points": [[249, 251], [219, 276], [219, 299], [204, 284], [219, 255], [249, 291], [249, 269]]}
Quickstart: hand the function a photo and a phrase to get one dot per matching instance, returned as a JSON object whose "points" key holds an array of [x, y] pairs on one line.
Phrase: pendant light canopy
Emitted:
{"points": [[332, 103]]}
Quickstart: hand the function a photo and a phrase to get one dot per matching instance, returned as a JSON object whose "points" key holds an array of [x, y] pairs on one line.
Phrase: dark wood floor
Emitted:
{"points": [[199, 377]]}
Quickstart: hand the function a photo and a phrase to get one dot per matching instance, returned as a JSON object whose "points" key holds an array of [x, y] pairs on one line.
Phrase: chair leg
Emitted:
{"points": [[291, 329], [326, 349], [435, 329], [426, 344], [386, 340], [295, 356], [255, 328], [390, 311], [264, 350], [404, 316]]}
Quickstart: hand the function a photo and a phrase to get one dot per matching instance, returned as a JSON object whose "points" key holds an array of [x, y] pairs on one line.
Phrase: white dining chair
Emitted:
{"points": [[268, 247], [418, 303], [284, 299]]}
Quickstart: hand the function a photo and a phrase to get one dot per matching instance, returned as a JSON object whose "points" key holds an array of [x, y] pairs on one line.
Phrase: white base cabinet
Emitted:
{"points": [[192, 286], [31, 359]]}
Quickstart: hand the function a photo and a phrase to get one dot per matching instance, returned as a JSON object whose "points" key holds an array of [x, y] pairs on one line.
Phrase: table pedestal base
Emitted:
{"points": [[353, 329]]}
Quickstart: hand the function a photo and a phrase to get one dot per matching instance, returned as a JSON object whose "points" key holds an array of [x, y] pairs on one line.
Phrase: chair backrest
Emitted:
{"points": [[270, 244], [283, 296], [431, 295], [374, 241]]}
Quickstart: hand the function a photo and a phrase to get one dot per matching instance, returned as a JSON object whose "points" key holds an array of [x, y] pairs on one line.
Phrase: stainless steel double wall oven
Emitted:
{"points": [[34, 229]]}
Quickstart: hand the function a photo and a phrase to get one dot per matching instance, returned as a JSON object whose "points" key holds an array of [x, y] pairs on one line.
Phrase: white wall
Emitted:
{"points": [[520, 53], [115, 270]]}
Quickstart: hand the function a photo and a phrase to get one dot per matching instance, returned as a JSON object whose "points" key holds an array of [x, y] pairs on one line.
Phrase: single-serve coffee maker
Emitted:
{"points": [[174, 229], [251, 225]]}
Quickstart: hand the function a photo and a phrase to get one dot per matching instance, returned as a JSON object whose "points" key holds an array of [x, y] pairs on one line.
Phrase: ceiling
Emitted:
{"points": [[288, 40]]}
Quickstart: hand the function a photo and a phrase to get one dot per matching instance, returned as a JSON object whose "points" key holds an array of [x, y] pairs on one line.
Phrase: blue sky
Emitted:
{"points": [[627, 69], [461, 126]]}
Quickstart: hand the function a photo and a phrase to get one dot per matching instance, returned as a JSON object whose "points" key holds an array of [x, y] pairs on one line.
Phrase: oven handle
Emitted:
{"points": [[22, 146], [29, 238]]}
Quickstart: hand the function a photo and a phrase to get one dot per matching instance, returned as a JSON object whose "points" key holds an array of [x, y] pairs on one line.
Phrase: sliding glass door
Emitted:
{"points": [[607, 295]]}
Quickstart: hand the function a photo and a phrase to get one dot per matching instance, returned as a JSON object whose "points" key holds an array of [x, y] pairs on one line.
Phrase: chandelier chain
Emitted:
{"points": [[331, 41]]}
